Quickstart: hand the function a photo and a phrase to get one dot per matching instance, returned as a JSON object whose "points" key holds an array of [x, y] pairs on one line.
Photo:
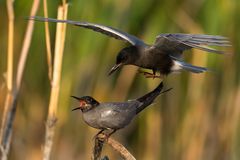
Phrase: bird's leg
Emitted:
{"points": [[146, 73], [100, 132], [150, 75], [155, 76], [108, 135], [105, 135]]}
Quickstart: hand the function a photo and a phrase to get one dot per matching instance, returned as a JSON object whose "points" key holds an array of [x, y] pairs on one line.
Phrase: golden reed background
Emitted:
{"points": [[197, 120]]}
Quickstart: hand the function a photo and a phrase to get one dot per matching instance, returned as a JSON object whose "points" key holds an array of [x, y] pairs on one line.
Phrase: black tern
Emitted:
{"points": [[164, 56], [112, 116]]}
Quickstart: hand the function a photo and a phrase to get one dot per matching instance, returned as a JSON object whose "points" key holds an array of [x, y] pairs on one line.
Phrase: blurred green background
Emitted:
{"points": [[198, 119]]}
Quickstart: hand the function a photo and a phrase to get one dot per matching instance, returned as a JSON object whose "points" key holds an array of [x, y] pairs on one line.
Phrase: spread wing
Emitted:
{"points": [[109, 31], [177, 43]]}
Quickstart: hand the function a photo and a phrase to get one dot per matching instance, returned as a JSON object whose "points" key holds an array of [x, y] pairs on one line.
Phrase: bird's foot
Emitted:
{"points": [[150, 75], [103, 136], [109, 134], [99, 133]]}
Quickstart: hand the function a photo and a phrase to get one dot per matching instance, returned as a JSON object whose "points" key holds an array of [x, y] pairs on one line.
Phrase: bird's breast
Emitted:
{"points": [[92, 119], [156, 60]]}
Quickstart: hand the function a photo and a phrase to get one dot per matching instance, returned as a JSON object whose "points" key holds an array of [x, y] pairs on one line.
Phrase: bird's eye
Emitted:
{"points": [[90, 100], [124, 58]]}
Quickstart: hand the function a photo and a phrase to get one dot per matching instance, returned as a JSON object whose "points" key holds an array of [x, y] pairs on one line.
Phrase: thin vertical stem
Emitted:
{"points": [[26, 45], [11, 99], [52, 114], [4, 145], [48, 42], [10, 12]]}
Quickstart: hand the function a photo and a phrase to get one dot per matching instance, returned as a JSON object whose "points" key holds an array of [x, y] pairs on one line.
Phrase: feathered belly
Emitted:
{"points": [[161, 63]]}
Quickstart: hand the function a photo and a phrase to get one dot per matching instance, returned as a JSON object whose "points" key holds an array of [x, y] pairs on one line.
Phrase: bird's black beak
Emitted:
{"points": [[76, 97], [76, 108], [114, 68]]}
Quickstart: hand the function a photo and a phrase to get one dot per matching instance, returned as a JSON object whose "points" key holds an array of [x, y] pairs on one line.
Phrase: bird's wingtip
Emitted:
{"points": [[169, 89], [31, 17]]}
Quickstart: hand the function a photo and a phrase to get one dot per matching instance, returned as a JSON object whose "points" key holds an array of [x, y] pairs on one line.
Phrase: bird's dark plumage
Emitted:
{"points": [[109, 31], [114, 115], [163, 56], [177, 43]]}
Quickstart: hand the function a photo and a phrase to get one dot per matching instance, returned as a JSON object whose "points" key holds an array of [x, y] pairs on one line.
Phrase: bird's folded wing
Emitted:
{"points": [[177, 43], [109, 31]]}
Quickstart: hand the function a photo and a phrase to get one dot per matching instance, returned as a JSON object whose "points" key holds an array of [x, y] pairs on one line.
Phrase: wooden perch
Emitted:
{"points": [[118, 147]]}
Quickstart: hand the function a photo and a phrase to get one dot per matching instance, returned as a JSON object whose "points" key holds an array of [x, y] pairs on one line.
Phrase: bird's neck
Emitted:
{"points": [[89, 107], [136, 53]]}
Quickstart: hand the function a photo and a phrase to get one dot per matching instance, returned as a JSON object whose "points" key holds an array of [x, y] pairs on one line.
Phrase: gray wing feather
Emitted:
{"points": [[109, 31], [178, 42], [117, 115]]}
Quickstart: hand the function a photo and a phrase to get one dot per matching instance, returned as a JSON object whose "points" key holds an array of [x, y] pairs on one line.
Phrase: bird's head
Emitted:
{"points": [[127, 55], [86, 103]]}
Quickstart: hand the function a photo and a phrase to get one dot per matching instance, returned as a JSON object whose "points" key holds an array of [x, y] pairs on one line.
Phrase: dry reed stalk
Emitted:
{"points": [[52, 114], [118, 147], [12, 95], [10, 12], [9, 78], [97, 149], [125, 154], [48, 42], [26, 45]]}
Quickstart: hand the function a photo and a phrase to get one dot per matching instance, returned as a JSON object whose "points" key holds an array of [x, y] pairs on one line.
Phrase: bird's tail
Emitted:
{"points": [[147, 99], [191, 68], [178, 64]]}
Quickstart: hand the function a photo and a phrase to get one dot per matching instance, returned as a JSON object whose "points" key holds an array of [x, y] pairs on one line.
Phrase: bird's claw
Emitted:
{"points": [[150, 75], [154, 76], [99, 133], [103, 136]]}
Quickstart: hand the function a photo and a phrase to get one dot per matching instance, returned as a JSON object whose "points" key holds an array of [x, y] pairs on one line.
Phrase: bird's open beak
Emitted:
{"points": [[76, 108], [114, 68], [79, 99]]}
